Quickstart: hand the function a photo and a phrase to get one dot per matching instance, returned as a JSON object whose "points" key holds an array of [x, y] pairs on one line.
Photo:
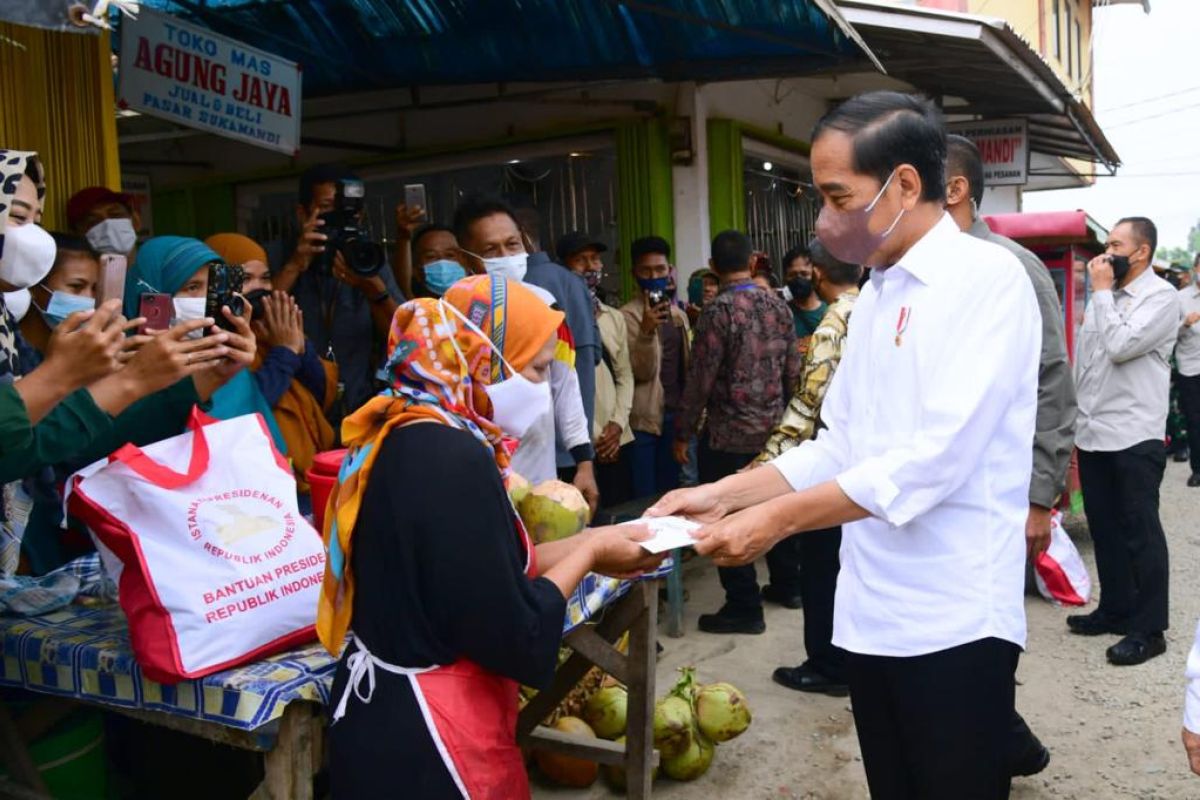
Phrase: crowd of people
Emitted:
{"points": [[889, 419]]}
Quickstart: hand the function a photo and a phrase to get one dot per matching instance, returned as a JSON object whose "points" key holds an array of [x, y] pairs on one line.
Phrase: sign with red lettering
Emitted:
{"points": [[195, 77], [1004, 145]]}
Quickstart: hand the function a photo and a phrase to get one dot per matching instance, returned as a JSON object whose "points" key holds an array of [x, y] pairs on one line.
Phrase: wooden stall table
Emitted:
{"points": [[277, 707]]}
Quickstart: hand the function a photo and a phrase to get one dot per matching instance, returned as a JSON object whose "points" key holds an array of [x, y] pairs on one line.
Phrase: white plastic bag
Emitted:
{"points": [[1061, 575]]}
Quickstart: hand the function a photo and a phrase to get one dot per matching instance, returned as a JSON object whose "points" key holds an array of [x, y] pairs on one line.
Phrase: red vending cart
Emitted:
{"points": [[1065, 241]]}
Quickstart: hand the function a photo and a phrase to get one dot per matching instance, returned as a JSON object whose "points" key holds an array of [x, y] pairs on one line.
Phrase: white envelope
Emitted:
{"points": [[669, 533]]}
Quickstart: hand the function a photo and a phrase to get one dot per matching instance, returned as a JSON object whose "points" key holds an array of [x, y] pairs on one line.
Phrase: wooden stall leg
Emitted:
{"points": [[675, 595], [289, 766], [16, 756], [639, 744]]}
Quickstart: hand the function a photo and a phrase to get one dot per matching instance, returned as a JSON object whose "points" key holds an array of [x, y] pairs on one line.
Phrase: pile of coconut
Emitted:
{"points": [[688, 724]]}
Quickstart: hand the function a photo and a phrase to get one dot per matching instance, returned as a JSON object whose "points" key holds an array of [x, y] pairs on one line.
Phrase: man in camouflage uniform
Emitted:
{"points": [[824, 670]]}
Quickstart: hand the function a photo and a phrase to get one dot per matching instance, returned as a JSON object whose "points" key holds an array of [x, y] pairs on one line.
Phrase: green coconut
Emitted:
{"points": [[674, 726], [518, 488], [553, 510], [692, 762], [721, 711], [605, 711]]}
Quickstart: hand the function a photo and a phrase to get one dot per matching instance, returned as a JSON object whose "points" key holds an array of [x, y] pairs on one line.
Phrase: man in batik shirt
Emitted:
{"points": [[824, 670]]}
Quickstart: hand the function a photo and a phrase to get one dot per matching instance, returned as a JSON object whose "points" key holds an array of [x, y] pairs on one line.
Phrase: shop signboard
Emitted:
{"points": [[1004, 146], [194, 77]]}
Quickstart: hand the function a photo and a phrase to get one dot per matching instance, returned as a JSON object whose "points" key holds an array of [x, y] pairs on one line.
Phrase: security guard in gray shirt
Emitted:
{"points": [[1054, 437]]}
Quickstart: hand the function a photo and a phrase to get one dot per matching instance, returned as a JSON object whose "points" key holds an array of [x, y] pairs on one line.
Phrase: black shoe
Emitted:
{"points": [[1136, 648], [773, 595], [1031, 757], [725, 621], [1180, 457], [806, 679], [1093, 624], [1194, 480]]}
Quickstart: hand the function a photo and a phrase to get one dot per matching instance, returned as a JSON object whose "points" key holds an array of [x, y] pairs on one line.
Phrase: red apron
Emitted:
{"points": [[470, 713]]}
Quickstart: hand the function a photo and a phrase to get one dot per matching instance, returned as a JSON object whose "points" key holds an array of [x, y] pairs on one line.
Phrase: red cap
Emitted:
{"points": [[85, 200]]}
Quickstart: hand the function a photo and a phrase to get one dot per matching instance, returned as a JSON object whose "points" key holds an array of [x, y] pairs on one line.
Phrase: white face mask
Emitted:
{"points": [[517, 403], [113, 236], [28, 255], [510, 267], [18, 303]]}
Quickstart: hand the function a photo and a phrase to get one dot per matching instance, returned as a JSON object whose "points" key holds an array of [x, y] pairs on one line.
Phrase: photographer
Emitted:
{"points": [[344, 308]]}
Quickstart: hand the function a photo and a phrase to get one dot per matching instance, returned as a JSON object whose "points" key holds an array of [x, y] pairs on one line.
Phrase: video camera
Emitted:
{"points": [[362, 255]]}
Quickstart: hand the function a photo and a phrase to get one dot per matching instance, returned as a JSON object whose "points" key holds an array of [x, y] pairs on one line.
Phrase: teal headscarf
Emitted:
{"points": [[164, 265]]}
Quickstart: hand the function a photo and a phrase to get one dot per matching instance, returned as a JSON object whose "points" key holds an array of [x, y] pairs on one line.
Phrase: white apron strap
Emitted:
{"points": [[361, 665]]}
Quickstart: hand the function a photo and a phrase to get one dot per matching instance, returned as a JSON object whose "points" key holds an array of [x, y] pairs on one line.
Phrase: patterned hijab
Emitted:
{"points": [[13, 165], [429, 382]]}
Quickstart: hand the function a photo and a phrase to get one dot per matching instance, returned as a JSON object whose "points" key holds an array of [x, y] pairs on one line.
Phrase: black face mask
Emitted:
{"points": [[1120, 266], [255, 299], [801, 288]]}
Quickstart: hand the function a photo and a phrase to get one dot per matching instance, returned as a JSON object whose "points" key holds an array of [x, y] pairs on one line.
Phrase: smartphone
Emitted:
{"points": [[224, 289], [414, 197], [158, 309], [112, 278]]}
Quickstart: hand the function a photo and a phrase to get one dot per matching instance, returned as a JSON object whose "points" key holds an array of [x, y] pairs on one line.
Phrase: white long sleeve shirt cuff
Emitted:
{"points": [[870, 486], [1191, 706]]}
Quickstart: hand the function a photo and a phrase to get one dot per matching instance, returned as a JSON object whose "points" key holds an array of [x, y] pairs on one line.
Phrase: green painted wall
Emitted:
{"points": [[645, 196], [726, 185]]}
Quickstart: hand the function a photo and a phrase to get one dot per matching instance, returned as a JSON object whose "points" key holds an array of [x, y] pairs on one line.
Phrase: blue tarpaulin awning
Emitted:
{"points": [[354, 45]]}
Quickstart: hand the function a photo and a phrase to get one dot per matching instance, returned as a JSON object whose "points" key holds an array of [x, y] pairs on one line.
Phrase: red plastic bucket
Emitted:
{"points": [[322, 477]]}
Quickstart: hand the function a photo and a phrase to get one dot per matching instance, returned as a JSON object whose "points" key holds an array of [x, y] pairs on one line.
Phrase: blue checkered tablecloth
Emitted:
{"points": [[83, 652]]}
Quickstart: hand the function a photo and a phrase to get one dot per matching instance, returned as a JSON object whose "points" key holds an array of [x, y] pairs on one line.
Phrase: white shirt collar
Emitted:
{"points": [[917, 261]]}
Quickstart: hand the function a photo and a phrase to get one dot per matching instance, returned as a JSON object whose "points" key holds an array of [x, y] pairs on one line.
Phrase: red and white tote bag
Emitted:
{"points": [[216, 565], [1061, 575]]}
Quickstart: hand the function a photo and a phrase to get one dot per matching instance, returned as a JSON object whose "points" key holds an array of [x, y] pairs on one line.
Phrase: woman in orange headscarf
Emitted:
{"points": [[450, 603]]}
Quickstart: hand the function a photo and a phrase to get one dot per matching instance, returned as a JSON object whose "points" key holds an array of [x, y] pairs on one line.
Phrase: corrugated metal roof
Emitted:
{"points": [[348, 45]]}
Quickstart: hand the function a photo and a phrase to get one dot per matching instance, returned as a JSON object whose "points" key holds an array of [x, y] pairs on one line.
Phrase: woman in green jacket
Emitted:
{"points": [[135, 389]]}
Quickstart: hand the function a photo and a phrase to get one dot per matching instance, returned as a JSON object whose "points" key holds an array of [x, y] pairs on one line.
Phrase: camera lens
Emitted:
{"points": [[363, 256]]}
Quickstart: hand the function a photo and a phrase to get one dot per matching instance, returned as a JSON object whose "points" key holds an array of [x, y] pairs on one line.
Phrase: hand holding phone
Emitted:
{"points": [[157, 309], [111, 285], [414, 198]]}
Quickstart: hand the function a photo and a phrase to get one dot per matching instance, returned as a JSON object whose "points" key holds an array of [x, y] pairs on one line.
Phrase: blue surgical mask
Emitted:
{"points": [[63, 305], [440, 275], [653, 284]]}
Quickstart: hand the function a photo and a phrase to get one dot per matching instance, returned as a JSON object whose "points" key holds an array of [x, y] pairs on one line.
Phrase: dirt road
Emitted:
{"points": [[1113, 732]]}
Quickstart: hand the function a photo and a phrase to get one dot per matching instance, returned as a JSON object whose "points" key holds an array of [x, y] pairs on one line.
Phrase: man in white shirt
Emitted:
{"points": [[1123, 377], [925, 461], [1187, 365]]}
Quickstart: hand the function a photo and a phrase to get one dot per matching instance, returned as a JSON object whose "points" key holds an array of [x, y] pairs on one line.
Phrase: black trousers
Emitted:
{"points": [[1120, 498], [936, 727], [783, 560], [1188, 387], [819, 567]]}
